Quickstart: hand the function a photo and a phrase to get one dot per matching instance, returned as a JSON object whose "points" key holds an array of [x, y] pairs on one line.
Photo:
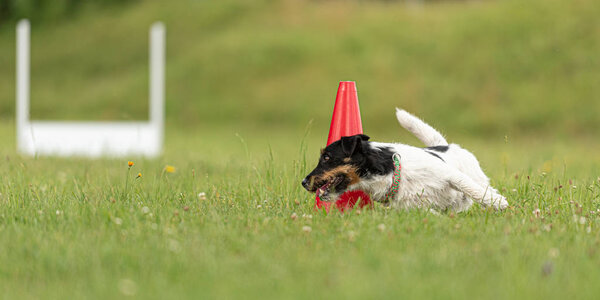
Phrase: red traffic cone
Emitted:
{"points": [[345, 122]]}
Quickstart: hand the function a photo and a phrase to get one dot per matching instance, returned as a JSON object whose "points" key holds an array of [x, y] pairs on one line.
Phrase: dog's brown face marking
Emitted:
{"points": [[348, 171]]}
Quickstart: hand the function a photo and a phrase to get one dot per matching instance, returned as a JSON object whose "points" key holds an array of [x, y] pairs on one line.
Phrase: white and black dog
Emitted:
{"points": [[441, 176]]}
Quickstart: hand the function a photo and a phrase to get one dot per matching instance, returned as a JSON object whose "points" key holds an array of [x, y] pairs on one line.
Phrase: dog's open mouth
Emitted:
{"points": [[324, 190]]}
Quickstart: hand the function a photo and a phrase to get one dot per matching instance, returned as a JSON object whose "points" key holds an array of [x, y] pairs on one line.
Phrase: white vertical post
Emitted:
{"points": [[157, 78], [22, 108]]}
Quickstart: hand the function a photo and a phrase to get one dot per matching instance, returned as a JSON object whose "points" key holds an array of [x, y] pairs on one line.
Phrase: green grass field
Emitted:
{"points": [[69, 228], [250, 90]]}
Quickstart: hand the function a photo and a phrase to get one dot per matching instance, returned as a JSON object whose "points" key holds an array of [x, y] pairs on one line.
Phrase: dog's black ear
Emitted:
{"points": [[363, 137], [351, 144]]}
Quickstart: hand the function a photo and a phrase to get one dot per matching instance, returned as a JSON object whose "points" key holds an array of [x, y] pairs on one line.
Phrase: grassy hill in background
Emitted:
{"points": [[478, 68]]}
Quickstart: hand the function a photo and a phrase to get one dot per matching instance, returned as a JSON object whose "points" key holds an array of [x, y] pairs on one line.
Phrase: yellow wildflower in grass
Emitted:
{"points": [[139, 175], [170, 169], [130, 164]]}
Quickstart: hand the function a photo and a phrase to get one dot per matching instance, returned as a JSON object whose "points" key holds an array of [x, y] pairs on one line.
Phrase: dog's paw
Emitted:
{"points": [[500, 202]]}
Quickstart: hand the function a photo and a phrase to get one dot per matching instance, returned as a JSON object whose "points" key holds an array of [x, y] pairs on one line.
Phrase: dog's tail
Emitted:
{"points": [[425, 133]]}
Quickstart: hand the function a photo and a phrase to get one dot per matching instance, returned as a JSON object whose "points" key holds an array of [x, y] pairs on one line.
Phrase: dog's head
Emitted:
{"points": [[342, 164]]}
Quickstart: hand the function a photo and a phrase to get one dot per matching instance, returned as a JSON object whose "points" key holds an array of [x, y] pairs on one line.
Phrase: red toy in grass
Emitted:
{"points": [[345, 122]]}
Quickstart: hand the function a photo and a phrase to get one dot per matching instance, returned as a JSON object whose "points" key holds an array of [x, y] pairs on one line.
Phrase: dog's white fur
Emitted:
{"points": [[428, 182]]}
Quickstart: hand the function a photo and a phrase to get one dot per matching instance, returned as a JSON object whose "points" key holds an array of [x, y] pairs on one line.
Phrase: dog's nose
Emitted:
{"points": [[305, 183]]}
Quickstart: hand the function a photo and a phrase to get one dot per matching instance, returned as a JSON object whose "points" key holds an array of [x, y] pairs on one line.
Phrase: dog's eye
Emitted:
{"points": [[325, 157]]}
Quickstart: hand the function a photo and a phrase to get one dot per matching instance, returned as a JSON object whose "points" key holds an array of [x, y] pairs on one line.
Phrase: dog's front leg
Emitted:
{"points": [[485, 196]]}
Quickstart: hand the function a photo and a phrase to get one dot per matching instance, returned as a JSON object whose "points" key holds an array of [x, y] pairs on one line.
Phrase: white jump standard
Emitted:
{"points": [[91, 139]]}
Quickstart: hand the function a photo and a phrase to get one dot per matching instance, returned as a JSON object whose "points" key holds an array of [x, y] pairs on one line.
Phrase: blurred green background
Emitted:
{"points": [[477, 70], [250, 88]]}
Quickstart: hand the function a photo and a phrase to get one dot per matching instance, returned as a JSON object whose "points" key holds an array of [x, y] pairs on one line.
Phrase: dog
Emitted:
{"points": [[440, 176]]}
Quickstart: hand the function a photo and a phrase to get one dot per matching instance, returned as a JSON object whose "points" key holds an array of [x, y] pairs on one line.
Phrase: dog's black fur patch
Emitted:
{"points": [[351, 153], [435, 155], [379, 161], [440, 149]]}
